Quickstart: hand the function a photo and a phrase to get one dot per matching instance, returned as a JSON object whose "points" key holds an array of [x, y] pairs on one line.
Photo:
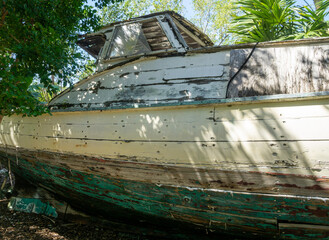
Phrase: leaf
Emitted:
{"points": [[279, 19]]}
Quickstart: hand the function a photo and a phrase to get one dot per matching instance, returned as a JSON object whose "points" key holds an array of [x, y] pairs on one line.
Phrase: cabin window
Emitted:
{"points": [[92, 44], [129, 40], [138, 38]]}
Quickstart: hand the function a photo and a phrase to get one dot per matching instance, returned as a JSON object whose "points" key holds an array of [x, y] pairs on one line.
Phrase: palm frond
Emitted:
{"points": [[266, 20]]}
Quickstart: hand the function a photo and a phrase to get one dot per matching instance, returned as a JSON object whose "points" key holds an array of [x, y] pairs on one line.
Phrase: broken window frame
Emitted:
{"points": [[116, 48], [167, 33]]}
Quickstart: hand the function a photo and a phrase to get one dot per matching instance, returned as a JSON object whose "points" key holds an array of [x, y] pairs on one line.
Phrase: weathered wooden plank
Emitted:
{"points": [[210, 177], [305, 231], [219, 58], [167, 29], [112, 77], [188, 90], [221, 155], [150, 24], [176, 31], [280, 70], [168, 129], [191, 35], [128, 78], [196, 72], [294, 121], [157, 40], [161, 45], [192, 44], [223, 113], [194, 104], [154, 34], [137, 78], [142, 128], [155, 28]]}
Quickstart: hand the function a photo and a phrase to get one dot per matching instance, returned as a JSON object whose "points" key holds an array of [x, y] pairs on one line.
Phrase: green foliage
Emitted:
{"points": [[312, 21], [267, 20], [213, 17], [88, 69], [39, 92], [37, 41], [128, 9]]}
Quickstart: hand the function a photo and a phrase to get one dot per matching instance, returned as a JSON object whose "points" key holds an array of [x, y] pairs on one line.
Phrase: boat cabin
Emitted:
{"points": [[162, 59], [159, 33]]}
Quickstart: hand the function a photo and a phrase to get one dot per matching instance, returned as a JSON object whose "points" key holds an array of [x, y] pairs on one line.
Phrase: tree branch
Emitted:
{"points": [[14, 38], [3, 16]]}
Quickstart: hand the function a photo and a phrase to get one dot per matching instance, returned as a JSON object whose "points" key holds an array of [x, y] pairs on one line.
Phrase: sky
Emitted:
{"points": [[188, 9]]}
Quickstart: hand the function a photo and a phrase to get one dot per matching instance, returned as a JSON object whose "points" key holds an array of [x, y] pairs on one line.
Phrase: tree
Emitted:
{"points": [[37, 44], [213, 17], [128, 9], [267, 20]]}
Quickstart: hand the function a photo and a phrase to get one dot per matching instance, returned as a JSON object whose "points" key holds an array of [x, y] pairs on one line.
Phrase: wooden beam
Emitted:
{"points": [[176, 31], [190, 34], [171, 36]]}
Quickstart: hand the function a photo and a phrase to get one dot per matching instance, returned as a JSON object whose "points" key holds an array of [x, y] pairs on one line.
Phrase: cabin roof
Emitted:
{"points": [[194, 38], [179, 18]]}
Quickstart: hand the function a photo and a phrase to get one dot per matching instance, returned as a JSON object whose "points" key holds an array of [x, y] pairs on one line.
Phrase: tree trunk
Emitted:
{"points": [[53, 79]]}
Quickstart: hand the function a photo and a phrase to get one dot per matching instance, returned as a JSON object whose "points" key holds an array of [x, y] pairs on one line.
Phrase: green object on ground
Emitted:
{"points": [[32, 205]]}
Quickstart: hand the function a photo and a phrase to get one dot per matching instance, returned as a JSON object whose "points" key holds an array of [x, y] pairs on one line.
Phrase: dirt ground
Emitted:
{"points": [[23, 226]]}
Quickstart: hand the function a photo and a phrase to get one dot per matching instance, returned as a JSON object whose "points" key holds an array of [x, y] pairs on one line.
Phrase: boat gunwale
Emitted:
{"points": [[206, 103], [268, 44]]}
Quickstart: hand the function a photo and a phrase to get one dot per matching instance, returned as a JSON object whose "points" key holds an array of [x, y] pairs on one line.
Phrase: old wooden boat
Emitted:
{"points": [[232, 139]]}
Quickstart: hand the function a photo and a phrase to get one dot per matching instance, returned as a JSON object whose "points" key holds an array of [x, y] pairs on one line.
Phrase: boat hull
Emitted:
{"points": [[215, 209], [224, 211], [267, 175]]}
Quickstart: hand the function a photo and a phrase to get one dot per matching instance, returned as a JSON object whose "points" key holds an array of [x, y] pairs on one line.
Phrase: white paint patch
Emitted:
{"points": [[196, 72]]}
